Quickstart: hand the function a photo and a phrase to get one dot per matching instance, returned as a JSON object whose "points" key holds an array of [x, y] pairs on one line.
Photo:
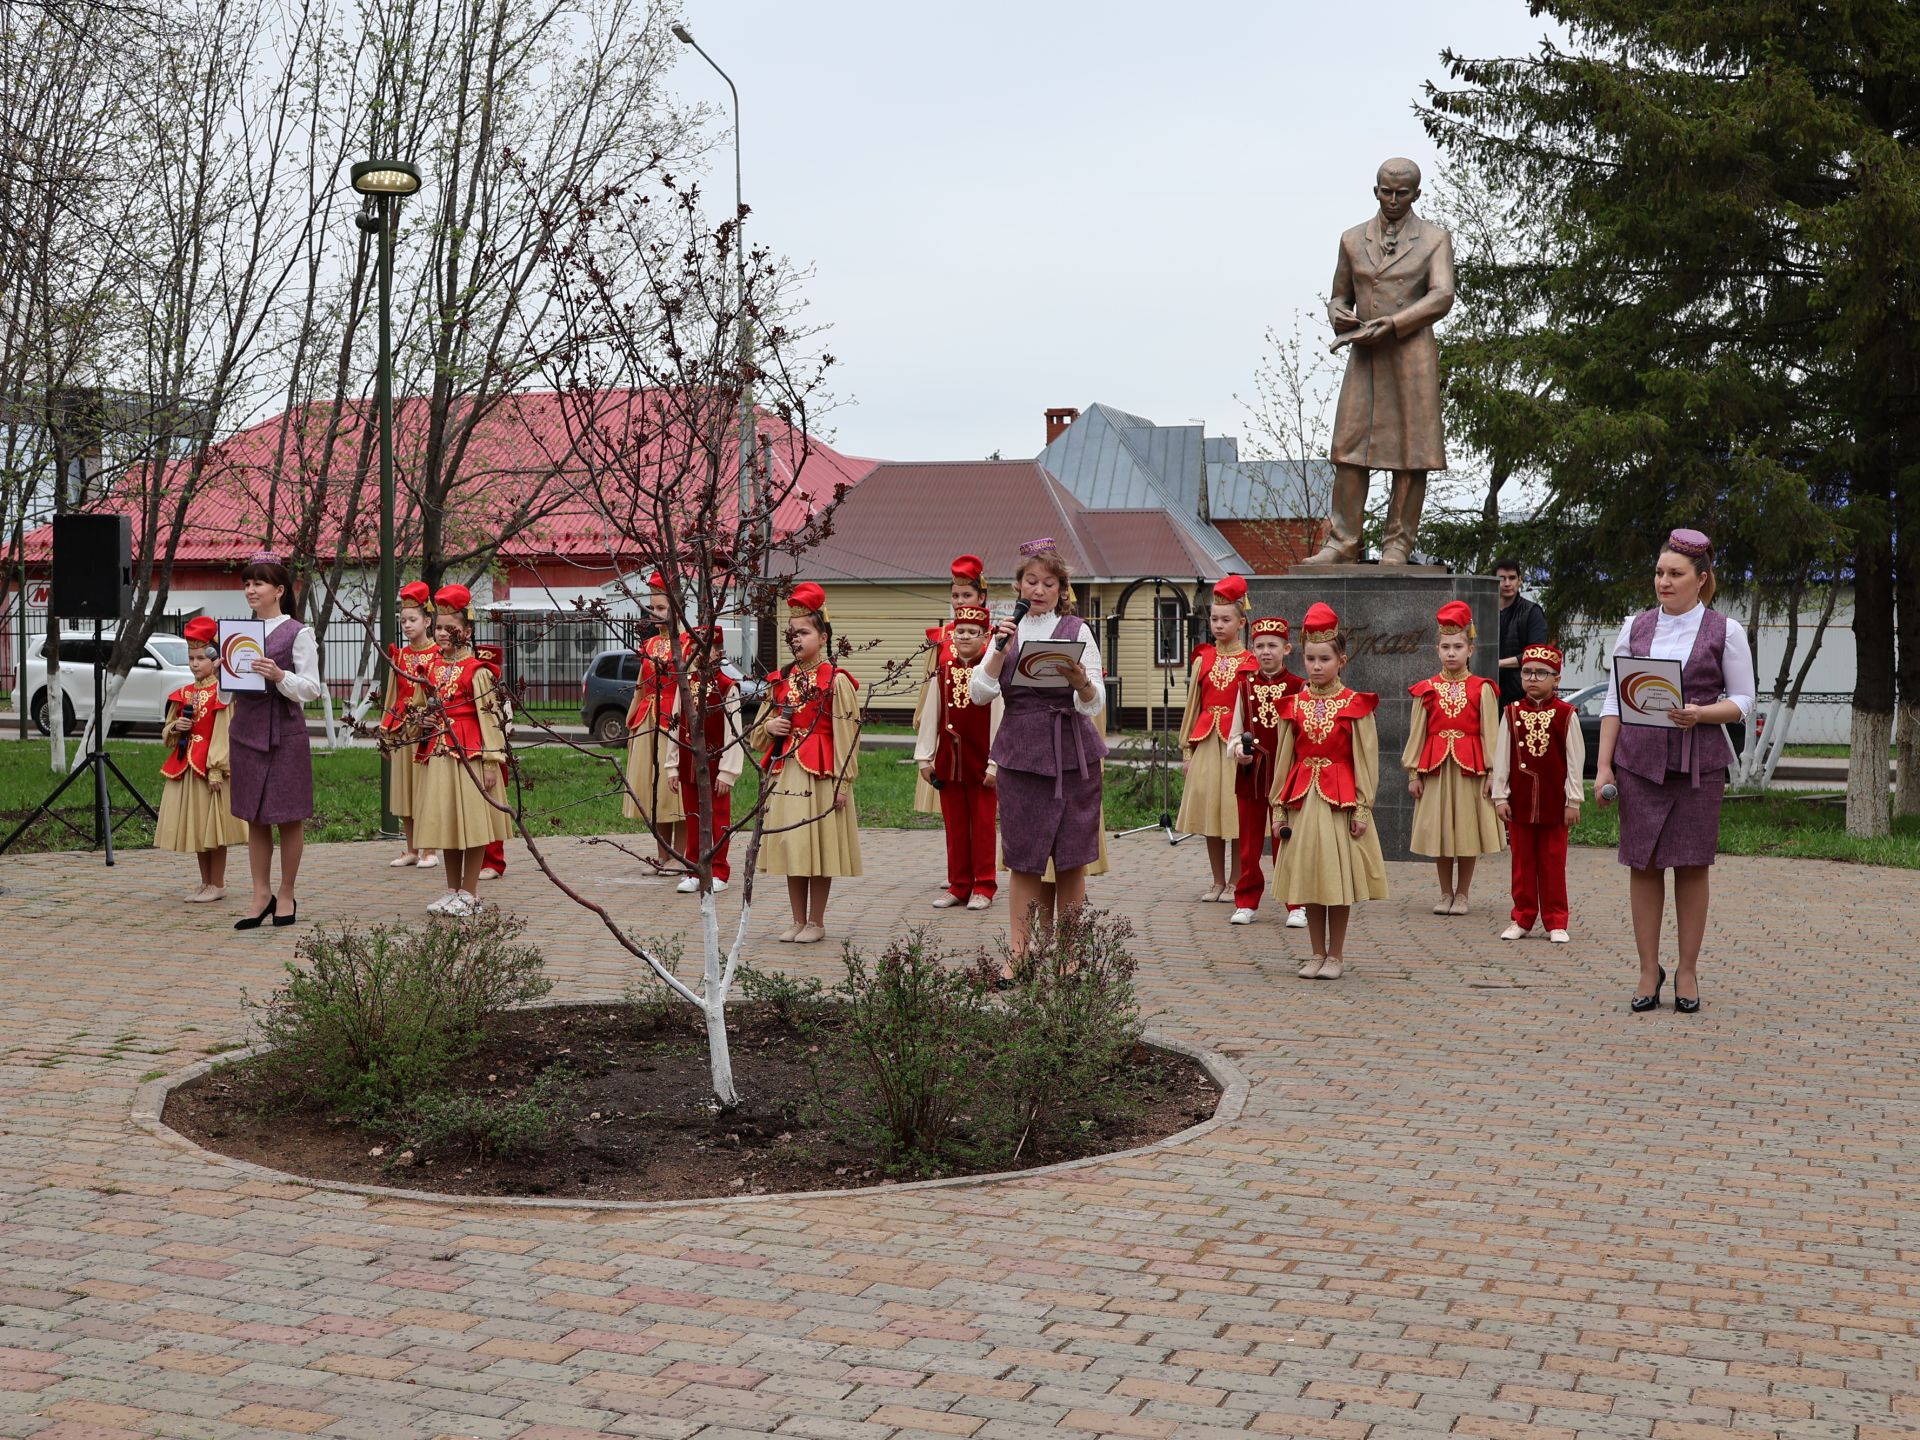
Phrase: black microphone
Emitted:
{"points": [[1246, 742], [1020, 608], [186, 714]]}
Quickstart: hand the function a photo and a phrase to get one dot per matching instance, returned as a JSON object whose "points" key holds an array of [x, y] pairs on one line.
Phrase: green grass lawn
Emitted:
{"points": [[570, 793], [565, 793], [1788, 823]]}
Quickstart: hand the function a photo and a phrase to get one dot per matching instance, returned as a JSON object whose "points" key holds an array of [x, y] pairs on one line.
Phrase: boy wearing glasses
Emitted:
{"points": [[1539, 767]]}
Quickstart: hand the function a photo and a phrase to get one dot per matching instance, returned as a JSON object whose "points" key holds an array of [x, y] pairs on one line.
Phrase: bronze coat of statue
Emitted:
{"points": [[1394, 279]]}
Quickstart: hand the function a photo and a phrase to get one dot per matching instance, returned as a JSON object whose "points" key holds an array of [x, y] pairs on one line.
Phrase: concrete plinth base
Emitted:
{"points": [[1387, 613]]}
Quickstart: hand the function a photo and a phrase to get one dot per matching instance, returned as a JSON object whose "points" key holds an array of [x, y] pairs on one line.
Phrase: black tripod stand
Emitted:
{"points": [[1157, 738], [95, 762]]}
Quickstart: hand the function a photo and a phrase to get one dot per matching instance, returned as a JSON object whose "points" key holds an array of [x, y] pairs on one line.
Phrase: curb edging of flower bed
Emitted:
{"points": [[150, 1101]]}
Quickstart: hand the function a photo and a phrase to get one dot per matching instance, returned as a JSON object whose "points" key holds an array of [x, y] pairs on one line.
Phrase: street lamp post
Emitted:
{"points": [[745, 446], [384, 183]]}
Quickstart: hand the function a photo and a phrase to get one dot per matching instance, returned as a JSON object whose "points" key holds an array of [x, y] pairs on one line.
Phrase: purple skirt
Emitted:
{"points": [[1663, 825], [1036, 827], [274, 786]]}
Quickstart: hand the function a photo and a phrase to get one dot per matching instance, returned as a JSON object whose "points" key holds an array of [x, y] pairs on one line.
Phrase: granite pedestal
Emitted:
{"points": [[1387, 613]]}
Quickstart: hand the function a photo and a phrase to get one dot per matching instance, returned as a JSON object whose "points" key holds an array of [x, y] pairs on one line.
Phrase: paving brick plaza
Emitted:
{"points": [[1468, 1194]]}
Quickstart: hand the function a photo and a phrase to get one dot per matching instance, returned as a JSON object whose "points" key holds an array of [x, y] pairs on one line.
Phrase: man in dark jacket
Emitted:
{"points": [[1522, 623]]}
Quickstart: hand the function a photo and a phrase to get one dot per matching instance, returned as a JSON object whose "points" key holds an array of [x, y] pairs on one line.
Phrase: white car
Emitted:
{"points": [[143, 700]]}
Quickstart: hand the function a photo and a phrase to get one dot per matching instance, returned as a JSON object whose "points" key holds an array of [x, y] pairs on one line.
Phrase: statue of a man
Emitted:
{"points": [[1393, 280]]}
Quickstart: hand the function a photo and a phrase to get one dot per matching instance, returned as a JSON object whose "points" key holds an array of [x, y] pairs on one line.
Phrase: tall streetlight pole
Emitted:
{"points": [[384, 183], [745, 446]]}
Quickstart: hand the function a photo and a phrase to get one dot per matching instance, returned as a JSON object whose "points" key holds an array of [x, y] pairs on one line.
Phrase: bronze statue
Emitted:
{"points": [[1393, 281]]}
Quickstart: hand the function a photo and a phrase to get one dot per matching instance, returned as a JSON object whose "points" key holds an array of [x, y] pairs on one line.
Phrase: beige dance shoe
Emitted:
{"points": [[1459, 906], [1445, 907], [809, 935], [1310, 967]]}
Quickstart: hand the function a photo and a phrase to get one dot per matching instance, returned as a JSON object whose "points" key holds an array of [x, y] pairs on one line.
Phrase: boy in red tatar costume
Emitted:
{"points": [[718, 693], [399, 722], [967, 586], [195, 817], [1326, 773], [1257, 718], [650, 757], [955, 734], [1449, 748], [1207, 800], [1539, 772]]}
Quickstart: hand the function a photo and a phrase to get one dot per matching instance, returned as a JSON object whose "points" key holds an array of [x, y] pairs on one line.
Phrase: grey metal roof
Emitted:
{"points": [[1268, 489], [1110, 459]]}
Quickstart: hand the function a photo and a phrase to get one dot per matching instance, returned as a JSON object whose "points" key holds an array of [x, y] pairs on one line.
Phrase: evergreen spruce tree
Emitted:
{"points": [[1721, 303]]}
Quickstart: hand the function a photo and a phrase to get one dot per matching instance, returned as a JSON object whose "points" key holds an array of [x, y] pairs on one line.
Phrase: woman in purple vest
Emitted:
{"points": [[272, 779], [1048, 751], [1671, 782]]}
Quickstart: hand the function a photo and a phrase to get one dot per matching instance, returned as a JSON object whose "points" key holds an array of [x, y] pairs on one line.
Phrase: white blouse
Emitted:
{"points": [[986, 688], [1673, 637], [301, 684]]}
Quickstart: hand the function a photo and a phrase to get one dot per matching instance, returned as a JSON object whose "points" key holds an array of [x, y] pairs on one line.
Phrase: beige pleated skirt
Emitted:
{"points": [[405, 775], [1452, 818], [1322, 864], [1207, 805], [449, 810], [193, 818], [650, 759], [804, 834]]}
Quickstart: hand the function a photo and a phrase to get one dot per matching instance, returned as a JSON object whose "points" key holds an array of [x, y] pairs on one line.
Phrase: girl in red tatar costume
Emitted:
{"points": [[195, 818], [809, 735], [462, 758], [1448, 760], [650, 754], [407, 667], [1207, 803], [716, 698], [1325, 777]]}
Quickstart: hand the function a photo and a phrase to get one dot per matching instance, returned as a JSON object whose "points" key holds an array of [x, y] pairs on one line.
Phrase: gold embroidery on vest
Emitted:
{"points": [[1319, 712], [1225, 667], [1267, 704], [1451, 695], [960, 692], [1539, 730]]}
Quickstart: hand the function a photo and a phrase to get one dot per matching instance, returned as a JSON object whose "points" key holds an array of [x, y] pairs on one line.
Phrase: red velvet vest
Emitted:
{"points": [[1265, 701], [410, 665], [1453, 723], [1537, 743], [452, 680], [715, 730], [966, 729], [1217, 677], [206, 703], [810, 742], [658, 689], [1323, 746]]}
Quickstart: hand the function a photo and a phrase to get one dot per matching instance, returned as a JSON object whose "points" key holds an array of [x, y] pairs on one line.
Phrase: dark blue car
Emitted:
{"points": [[606, 692]]}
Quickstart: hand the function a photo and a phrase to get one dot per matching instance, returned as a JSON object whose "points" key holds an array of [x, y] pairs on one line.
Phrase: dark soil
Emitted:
{"points": [[648, 1128]]}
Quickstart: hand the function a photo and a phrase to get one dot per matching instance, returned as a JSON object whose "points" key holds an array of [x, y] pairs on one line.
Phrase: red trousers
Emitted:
{"points": [[1539, 874], [1256, 842], [967, 810], [496, 857], [722, 821]]}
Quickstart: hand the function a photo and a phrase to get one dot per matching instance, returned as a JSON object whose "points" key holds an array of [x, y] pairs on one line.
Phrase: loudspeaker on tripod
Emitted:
{"points": [[92, 567]]}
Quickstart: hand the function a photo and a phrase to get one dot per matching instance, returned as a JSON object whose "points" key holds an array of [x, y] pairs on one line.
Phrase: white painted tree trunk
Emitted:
{"points": [[1907, 769], [56, 723], [716, 978], [1778, 729], [1869, 811]]}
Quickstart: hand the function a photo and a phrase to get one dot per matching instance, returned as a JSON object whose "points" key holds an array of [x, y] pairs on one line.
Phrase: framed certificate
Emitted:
{"points": [[241, 643], [1041, 663], [1648, 690]]}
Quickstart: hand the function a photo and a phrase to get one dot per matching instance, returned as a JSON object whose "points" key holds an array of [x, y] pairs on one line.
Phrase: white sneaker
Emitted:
{"points": [[487, 872], [462, 905], [1559, 937], [440, 906], [687, 886], [1296, 919], [1515, 931], [1243, 916], [947, 901], [719, 886], [979, 902]]}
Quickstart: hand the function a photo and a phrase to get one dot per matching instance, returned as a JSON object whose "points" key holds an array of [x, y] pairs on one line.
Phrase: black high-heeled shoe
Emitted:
{"points": [[254, 922], [1681, 1004], [1640, 1004], [288, 918]]}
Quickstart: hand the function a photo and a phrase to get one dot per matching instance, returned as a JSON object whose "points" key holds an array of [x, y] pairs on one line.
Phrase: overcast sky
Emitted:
{"points": [[1017, 205]]}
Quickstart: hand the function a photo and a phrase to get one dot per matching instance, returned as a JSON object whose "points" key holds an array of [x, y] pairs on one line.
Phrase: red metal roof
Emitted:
{"points": [[522, 456], [1272, 547], [907, 520]]}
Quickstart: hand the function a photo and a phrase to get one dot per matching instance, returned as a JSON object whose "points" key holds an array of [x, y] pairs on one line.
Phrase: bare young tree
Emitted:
{"points": [[654, 376], [1290, 422]]}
